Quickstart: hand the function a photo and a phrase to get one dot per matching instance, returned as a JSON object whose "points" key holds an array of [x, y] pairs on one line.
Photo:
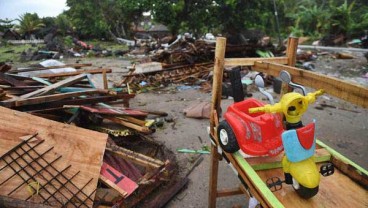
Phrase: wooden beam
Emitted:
{"points": [[50, 98], [76, 101], [51, 88], [135, 156], [77, 66], [9, 79], [355, 94], [218, 72], [291, 49], [106, 84], [251, 61], [229, 192], [68, 74], [140, 128]]}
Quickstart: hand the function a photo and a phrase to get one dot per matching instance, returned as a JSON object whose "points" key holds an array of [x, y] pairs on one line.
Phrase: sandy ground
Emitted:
{"points": [[344, 128]]}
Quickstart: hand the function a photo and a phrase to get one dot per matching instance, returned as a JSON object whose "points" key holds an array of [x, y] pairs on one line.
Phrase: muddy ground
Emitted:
{"points": [[343, 127]]}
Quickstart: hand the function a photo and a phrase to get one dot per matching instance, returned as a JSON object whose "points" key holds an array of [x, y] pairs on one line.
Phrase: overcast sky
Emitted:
{"points": [[13, 8]]}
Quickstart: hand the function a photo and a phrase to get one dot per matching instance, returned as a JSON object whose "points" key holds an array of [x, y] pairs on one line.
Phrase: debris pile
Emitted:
{"points": [[128, 171]]}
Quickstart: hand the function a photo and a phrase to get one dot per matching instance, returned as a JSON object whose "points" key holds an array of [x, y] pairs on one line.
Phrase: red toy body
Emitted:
{"points": [[257, 134]]}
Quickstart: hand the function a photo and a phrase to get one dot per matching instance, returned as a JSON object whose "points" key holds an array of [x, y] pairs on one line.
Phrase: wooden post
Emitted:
{"points": [[291, 49], [218, 72], [215, 107], [106, 86]]}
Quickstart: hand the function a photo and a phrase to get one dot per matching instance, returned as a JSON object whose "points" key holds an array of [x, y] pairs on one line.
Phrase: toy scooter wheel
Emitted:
{"points": [[227, 137], [303, 191]]}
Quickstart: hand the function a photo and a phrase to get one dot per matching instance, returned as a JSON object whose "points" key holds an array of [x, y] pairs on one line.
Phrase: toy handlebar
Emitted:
{"points": [[266, 109], [311, 97], [278, 107]]}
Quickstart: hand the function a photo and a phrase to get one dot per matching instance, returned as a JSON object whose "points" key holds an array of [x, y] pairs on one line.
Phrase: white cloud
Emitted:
{"points": [[13, 8]]}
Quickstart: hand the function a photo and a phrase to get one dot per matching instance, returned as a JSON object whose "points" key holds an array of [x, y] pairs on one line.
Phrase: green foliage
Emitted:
{"points": [[63, 23], [341, 18], [6, 24], [28, 24], [314, 18], [68, 41], [87, 18]]}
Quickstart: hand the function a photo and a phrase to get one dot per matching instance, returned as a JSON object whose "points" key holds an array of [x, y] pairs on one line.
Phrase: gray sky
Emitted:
{"points": [[13, 8]]}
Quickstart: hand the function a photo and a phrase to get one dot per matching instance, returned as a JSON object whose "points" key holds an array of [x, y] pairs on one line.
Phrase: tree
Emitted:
{"points": [[63, 24], [87, 18], [28, 24], [6, 24]]}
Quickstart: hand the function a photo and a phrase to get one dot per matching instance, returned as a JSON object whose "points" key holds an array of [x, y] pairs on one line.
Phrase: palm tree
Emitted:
{"points": [[28, 24]]}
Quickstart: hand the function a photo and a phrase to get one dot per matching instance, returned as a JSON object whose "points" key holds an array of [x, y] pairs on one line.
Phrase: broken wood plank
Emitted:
{"points": [[140, 128], [114, 111], [11, 80], [75, 101], [49, 98], [116, 180], [353, 93], [68, 74], [51, 88], [76, 66], [135, 157]]}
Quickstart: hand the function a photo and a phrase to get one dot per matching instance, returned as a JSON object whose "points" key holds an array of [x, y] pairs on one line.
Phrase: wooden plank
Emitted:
{"points": [[348, 167], [112, 185], [75, 101], [291, 49], [11, 80], [105, 79], [355, 94], [51, 88], [54, 97], [336, 190], [229, 192], [135, 157], [116, 180], [256, 186], [140, 128], [251, 61], [77, 66], [68, 74], [81, 148]]}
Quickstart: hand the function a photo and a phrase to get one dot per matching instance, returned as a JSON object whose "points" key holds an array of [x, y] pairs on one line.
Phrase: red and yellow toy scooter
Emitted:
{"points": [[299, 142]]}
